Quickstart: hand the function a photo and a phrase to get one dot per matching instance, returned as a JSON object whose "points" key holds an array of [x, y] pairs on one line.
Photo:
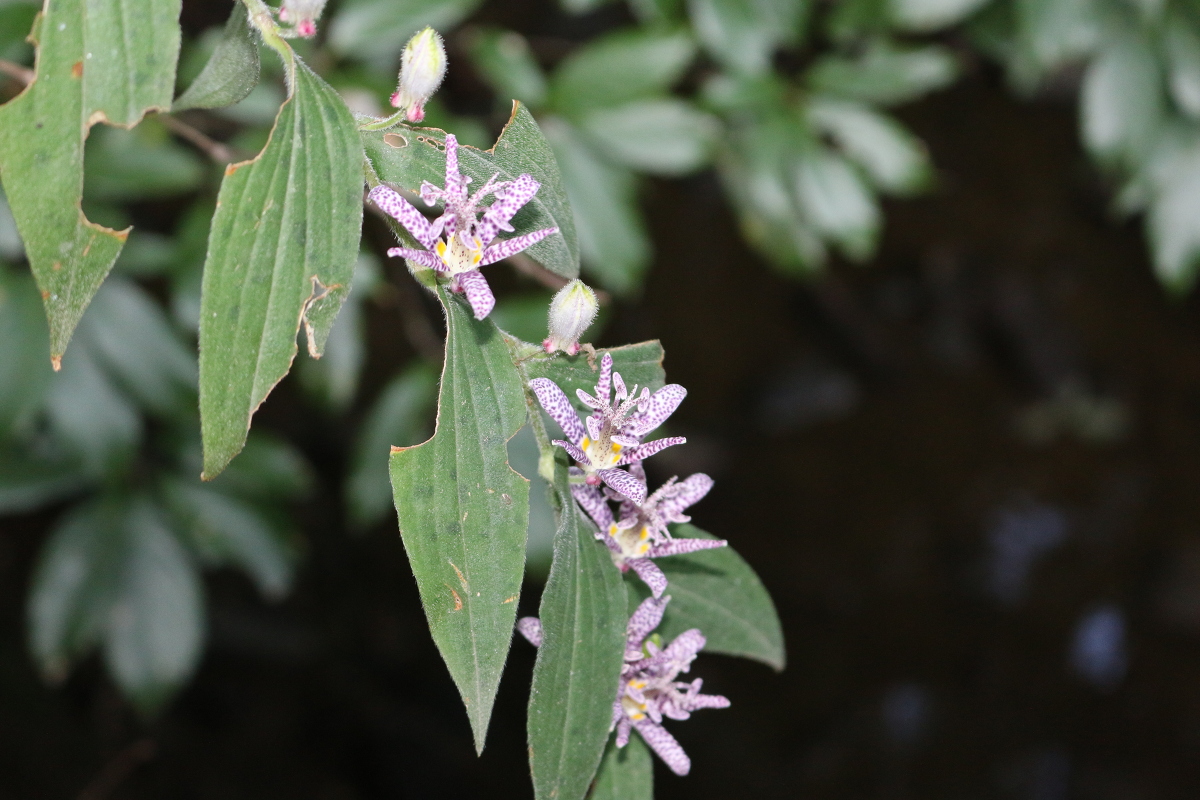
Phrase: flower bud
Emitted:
{"points": [[302, 15], [422, 67], [571, 312]]}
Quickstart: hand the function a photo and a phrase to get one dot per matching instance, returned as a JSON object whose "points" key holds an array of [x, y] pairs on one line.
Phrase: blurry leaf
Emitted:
{"points": [[506, 62], [1172, 178], [1121, 101], [113, 573], [579, 662], [146, 254], [719, 593], [626, 773], [224, 529], [612, 236], [134, 340], [640, 364], [281, 252], [661, 137], [1056, 31], [463, 511], [232, 70], [404, 157], [1183, 62], [24, 372], [400, 417], [333, 379], [894, 159], [837, 202], [524, 316], [258, 108], [855, 19], [377, 30], [523, 456], [743, 34], [657, 11], [268, 468], [884, 74], [620, 67], [29, 482], [112, 63], [930, 15], [580, 6], [16, 20]]}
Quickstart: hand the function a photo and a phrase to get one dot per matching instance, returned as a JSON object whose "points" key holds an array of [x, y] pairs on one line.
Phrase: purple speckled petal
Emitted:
{"points": [[391, 203], [665, 745], [531, 629], [684, 495], [658, 407], [624, 726], [593, 502], [645, 619], [588, 400], [478, 293], [648, 449], [430, 193], [510, 247], [573, 451], [684, 648], [620, 392], [604, 384], [677, 547], [593, 425], [625, 441], [623, 483], [555, 401], [507, 203], [456, 184], [422, 257], [699, 701], [650, 574]]}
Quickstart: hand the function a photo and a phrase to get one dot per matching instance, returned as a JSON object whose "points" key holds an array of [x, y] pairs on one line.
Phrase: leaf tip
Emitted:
{"points": [[56, 362]]}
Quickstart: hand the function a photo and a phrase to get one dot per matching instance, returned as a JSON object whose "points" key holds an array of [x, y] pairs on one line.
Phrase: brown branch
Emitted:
{"points": [[218, 152], [118, 770], [13, 70]]}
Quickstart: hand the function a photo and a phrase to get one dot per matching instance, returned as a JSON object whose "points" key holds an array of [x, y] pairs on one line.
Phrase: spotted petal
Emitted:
{"points": [[664, 744], [623, 483], [646, 618], [479, 294], [604, 384], [531, 629], [593, 502], [456, 184], [682, 651], [650, 574], [508, 201], [648, 449], [556, 404], [391, 203], [678, 547], [422, 257], [573, 451], [683, 495], [510, 247], [661, 405]]}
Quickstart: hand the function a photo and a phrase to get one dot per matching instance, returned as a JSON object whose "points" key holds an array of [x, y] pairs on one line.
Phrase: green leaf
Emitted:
{"points": [[925, 16], [29, 481], [626, 773], [743, 34], [333, 379], [1171, 181], [580, 6], [399, 418], [1121, 102], [1182, 46], [110, 63], [463, 511], [269, 468], [24, 373], [505, 61], [640, 364], [719, 593], [579, 662], [377, 30], [404, 157], [621, 67], [894, 159], [232, 70], [281, 252], [612, 236], [837, 202], [884, 74], [662, 137], [1056, 31], [114, 573]]}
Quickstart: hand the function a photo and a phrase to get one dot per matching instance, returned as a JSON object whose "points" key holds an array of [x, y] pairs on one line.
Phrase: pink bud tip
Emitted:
{"points": [[395, 100], [416, 113], [307, 28], [593, 480], [571, 349], [548, 346]]}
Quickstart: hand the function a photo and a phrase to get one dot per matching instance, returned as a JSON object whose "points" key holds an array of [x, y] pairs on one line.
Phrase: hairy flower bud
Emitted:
{"points": [[302, 15], [571, 312], [422, 67]]}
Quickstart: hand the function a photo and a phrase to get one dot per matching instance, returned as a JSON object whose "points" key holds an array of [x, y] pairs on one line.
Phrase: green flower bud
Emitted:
{"points": [[572, 310], [422, 67]]}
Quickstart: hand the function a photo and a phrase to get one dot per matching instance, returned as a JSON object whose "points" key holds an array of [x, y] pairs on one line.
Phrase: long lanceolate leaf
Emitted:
{"points": [[464, 512], [404, 157], [579, 661], [97, 62], [281, 252]]}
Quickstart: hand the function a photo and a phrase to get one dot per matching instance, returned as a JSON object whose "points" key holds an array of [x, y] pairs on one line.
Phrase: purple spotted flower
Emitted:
{"points": [[648, 691], [611, 436], [459, 242], [641, 534]]}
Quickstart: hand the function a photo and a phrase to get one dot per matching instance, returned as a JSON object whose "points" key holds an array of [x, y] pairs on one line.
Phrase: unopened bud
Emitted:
{"points": [[571, 312], [302, 15], [422, 67]]}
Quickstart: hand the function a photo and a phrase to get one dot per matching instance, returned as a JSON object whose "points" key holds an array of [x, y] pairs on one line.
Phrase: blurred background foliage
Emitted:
{"points": [[798, 107]]}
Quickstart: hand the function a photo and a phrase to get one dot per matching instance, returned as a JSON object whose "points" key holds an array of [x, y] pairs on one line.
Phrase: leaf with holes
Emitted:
{"points": [[463, 511], [404, 157], [97, 62], [281, 252]]}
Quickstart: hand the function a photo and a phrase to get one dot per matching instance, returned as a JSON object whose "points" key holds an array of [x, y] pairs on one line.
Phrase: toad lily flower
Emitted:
{"points": [[459, 242], [612, 435], [641, 534], [648, 691]]}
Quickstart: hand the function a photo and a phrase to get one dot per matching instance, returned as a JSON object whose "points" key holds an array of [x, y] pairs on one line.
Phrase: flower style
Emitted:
{"points": [[458, 242], [648, 691], [611, 436], [641, 533]]}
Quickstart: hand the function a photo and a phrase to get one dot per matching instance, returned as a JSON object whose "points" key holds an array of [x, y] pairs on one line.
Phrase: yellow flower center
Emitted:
{"points": [[458, 257]]}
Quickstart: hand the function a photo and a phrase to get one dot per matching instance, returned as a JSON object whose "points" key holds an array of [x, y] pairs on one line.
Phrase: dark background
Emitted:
{"points": [[932, 566]]}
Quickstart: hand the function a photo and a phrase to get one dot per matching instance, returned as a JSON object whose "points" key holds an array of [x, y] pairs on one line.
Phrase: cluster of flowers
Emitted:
{"points": [[607, 440]]}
